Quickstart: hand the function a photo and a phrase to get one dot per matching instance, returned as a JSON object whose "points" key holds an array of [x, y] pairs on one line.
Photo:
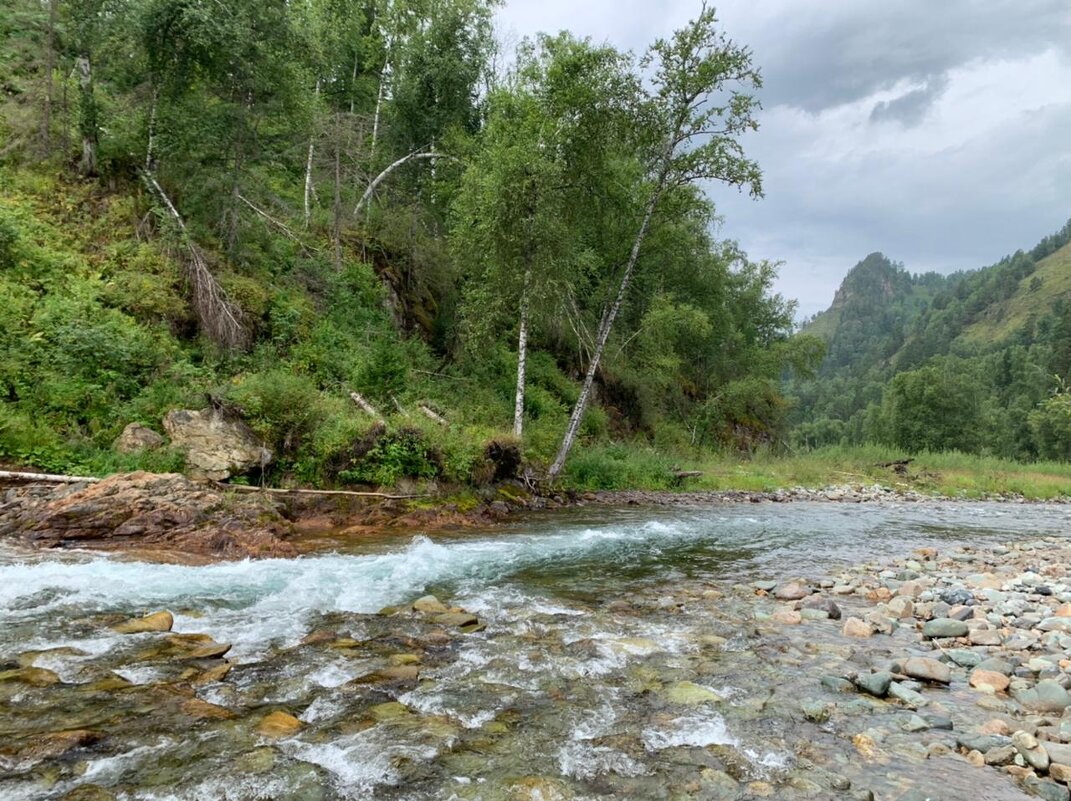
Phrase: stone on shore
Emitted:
{"points": [[926, 669], [821, 603], [1031, 750], [157, 511], [989, 680], [944, 627], [876, 684], [854, 627], [1046, 696], [217, 446], [137, 438], [793, 591]]}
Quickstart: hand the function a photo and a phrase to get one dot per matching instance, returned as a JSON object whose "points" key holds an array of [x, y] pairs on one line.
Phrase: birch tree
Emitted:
{"points": [[693, 111], [523, 215]]}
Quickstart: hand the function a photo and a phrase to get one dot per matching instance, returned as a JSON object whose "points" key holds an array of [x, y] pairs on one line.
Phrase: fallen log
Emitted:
{"points": [[46, 478], [365, 406], [284, 491], [431, 414]]}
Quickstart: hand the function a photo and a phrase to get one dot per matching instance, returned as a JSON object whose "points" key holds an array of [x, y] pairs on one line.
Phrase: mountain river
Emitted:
{"points": [[624, 656]]}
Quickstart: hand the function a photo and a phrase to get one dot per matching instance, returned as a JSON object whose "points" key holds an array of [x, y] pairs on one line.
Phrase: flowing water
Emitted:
{"points": [[621, 659]]}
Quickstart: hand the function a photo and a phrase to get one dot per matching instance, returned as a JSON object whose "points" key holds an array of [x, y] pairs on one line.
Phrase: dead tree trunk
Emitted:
{"points": [[50, 68], [87, 109], [395, 165], [220, 319]]}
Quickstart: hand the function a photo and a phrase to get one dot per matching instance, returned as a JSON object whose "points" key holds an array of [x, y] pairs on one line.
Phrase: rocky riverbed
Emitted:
{"points": [[732, 652]]}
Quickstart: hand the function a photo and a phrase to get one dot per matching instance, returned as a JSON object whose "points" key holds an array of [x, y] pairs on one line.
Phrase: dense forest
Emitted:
{"points": [[281, 206], [976, 361]]}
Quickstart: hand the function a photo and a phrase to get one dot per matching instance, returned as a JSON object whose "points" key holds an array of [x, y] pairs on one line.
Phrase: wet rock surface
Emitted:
{"points": [[147, 511]]}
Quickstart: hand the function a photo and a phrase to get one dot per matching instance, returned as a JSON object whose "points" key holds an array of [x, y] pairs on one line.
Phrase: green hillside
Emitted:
{"points": [[1036, 296], [976, 361], [281, 207]]}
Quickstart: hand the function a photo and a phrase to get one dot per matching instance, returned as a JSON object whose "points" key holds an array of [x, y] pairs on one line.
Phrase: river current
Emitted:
{"points": [[620, 660]]}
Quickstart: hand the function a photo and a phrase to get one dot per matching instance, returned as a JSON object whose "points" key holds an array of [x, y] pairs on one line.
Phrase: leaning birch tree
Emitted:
{"points": [[524, 209], [693, 111]]}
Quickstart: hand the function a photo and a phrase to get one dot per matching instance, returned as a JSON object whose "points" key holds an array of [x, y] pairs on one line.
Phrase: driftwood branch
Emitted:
{"points": [[46, 478], [382, 176], [49, 478], [365, 406], [282, 491], [431, 414], [218, 316]]}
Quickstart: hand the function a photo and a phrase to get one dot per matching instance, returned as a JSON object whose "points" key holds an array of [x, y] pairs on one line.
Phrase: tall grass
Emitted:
{"points": [[950, 474]]}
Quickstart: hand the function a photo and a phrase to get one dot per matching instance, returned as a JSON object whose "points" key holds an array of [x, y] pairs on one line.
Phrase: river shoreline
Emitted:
{"points": [[168, 517]]}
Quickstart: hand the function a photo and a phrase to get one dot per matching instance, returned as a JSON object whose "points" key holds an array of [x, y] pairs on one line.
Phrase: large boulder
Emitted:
{"points": [[136, 438], [216, 445]]}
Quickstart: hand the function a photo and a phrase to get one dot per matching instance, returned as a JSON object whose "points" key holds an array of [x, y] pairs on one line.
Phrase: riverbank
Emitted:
{"points": [[168, 517], [963, 655]]}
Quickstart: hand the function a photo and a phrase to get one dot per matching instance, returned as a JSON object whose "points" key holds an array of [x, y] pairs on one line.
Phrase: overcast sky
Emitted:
{"points": [[935, 131]]}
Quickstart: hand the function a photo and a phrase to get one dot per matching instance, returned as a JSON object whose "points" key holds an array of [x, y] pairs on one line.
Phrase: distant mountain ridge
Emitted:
{"points": [[1001, 333]]}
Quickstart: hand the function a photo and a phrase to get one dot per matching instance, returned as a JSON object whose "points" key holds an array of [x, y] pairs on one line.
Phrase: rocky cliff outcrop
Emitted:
{"points": [[149, 511]]}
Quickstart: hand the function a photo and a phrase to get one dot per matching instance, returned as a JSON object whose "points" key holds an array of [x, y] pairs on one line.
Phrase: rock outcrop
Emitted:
{"points": [[136, 438], [216, 445], [153, 511]]}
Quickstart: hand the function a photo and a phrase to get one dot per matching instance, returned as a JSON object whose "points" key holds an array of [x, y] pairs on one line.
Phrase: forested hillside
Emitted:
{"points": [[277, 205], [976, 361]]}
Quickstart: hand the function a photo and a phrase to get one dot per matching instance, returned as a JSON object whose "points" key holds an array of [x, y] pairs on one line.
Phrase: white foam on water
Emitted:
{"points": [[139, 675], [335, 674], [695, 729], [361, 762], [109, 770], [584, 761], [255, 605]]}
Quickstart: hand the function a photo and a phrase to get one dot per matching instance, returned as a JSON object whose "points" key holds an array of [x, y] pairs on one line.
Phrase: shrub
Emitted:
{"points": [[282, 407], [404, 453]]}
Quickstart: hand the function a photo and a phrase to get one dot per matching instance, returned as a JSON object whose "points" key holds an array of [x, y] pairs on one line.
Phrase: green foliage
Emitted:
{"points": [[1051, 425], [404, 453]]}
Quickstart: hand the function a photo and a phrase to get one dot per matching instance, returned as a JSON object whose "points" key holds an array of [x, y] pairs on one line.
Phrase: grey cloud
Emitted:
{"points": [[820, 53], [910, 108]]}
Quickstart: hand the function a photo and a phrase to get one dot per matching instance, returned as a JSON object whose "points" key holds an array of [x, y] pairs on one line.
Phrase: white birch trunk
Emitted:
{"points": [[522, 358], [577, 416], [380, 178], [308, 170]]}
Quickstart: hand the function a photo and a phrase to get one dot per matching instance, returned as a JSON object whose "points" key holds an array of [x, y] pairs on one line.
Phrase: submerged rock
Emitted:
{"points": [[157, 621], [34, 676], [279, 724], [687, 693]]}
